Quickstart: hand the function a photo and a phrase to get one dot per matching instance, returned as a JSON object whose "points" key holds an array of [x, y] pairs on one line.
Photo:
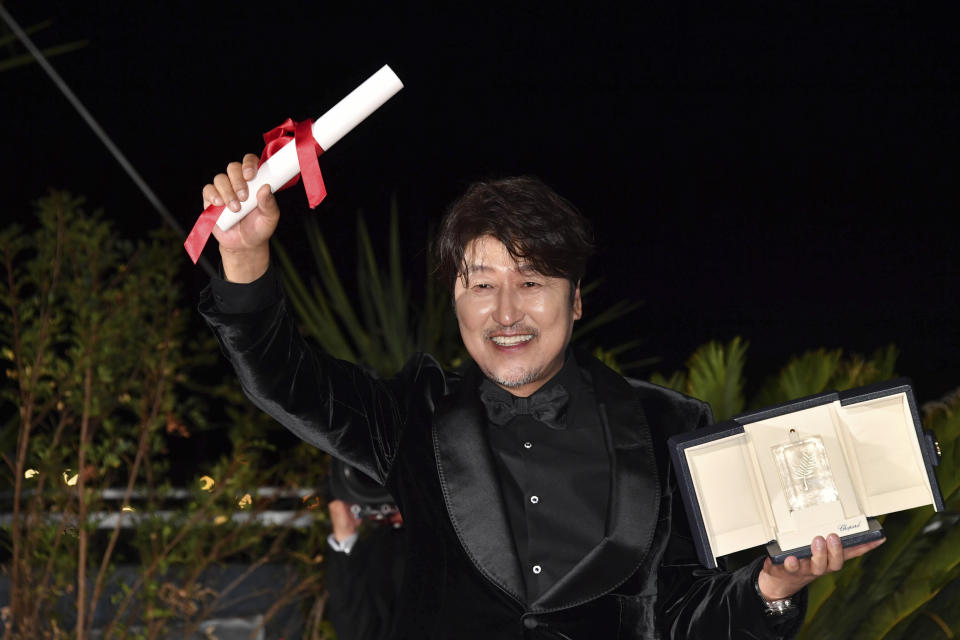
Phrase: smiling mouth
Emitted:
{"points": [[511, 341]]}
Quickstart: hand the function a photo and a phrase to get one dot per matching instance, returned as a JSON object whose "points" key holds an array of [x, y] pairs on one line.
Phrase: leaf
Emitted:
{"points": [[804, 468], [677, 381], [809, 373], [716, 376]]}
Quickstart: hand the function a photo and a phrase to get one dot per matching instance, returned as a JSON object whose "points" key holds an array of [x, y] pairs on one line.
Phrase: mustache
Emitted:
{"points": [[516, 329]]}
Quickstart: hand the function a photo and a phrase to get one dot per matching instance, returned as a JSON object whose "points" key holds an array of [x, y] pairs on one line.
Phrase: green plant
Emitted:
{"points": [[715, 374], [99, 380], [377, 323]]}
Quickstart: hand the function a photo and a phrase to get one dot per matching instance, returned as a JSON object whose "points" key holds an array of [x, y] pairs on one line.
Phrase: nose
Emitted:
{"points": [[508, 311]]}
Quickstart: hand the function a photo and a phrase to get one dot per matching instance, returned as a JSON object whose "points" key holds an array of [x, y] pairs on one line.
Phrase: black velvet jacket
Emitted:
{"points": [[421, 434]]}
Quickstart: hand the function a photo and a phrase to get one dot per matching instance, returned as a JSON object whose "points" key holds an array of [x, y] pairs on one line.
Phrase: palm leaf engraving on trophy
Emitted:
{"points": [[804, 468]]}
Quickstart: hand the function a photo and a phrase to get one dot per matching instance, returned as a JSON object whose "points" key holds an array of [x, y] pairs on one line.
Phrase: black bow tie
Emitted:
{"points": [[546, 405]]}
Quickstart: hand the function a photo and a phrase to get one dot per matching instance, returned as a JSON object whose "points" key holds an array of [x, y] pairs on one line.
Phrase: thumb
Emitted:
{"points": [[267, 202]]}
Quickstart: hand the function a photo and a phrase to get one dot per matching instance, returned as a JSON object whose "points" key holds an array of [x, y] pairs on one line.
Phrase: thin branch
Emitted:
{"points": [[83, 541], [27, 402], [142, 448]]}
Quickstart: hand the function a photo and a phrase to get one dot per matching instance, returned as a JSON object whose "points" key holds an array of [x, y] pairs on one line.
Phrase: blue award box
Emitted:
{"points": [[829, 463]]}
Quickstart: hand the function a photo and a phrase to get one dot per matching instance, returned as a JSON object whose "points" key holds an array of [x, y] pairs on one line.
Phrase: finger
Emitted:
{"points": [[818, 559], [855, 552], [211, 196], [834, 553], [225, 188], [250, 163], [267, 203], [235, 173], [791, 564]]}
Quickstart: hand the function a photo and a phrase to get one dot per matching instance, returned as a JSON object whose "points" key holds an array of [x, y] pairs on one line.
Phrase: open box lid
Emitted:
{"points": [[864, 454]]}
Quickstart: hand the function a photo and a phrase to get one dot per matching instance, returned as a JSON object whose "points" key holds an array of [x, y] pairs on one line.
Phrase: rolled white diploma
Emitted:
{"points": [[282, 166]]}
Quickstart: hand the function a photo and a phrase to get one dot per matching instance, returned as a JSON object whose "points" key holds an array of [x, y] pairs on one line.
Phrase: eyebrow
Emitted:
{"points": [[475, 268]]}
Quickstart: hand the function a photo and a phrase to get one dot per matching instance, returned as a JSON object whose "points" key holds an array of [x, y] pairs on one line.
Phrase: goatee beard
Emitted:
{"points": [[512, 383]]}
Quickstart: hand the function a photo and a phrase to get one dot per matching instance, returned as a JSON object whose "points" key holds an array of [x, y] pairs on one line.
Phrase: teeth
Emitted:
{"points": [[509, 341]]}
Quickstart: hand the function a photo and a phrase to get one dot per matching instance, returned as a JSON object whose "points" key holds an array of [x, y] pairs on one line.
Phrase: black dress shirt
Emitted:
{"points": [[554, 478]]}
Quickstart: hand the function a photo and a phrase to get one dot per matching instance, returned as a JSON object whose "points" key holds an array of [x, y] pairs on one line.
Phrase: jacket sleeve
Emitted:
{"points": [[332, 404], [695, 602]]}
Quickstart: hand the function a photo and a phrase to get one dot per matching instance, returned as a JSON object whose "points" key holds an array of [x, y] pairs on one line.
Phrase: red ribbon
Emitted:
{"points": [[308, 150]]}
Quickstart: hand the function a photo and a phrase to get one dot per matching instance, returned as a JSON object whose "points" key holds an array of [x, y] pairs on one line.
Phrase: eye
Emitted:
{"points": [[530, 284]]}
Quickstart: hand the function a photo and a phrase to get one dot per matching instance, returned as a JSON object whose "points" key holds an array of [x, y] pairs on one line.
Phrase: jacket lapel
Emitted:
{"points": [[635, 496], [471, 491], [471, 488]]}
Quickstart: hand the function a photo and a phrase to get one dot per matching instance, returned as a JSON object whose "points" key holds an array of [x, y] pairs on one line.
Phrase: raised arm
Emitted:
{"points": [[332, 404]]}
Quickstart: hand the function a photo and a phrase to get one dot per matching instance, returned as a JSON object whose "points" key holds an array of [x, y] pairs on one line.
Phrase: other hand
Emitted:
{"points": [[341, 517], [778, 581]]}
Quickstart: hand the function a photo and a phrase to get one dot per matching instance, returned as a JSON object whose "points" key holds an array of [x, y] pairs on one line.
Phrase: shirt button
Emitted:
{"points": [[527, 445], [534, 499], [537, 569]]}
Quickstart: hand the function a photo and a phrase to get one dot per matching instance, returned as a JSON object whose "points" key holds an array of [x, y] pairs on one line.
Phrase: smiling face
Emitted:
{"points": [[514, 322]]}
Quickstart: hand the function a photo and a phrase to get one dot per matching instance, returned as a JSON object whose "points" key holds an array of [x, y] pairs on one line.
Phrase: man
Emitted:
{"points": [[535, 487]]}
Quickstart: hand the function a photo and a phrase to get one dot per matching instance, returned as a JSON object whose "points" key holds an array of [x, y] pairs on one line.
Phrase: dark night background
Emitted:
{"points": [[787, 172]]}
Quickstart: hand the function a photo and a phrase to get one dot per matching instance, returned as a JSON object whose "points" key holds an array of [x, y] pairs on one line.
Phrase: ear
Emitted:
{"points": [[577, 303]]}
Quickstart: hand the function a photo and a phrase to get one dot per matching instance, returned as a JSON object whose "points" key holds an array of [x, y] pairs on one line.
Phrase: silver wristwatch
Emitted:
{"points": [[773, 607]]}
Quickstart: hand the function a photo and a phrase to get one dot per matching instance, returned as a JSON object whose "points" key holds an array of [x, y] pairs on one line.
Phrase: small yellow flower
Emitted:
{"points": [[29, 473], [206, 483], [128, 508], [70, 480], [245, 501], [219, 520]]}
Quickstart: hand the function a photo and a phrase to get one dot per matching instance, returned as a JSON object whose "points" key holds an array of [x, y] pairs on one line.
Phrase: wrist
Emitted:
{"points": [[770, 589], [774, 606], [342, 533], [243, 266], [342, 546]]}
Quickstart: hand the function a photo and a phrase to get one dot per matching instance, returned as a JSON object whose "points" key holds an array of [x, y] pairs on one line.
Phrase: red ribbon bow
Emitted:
{"points": [[308, 150]]}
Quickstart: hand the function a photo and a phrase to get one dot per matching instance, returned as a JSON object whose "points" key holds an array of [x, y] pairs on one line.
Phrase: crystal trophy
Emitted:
{"points": [[805, 471]]}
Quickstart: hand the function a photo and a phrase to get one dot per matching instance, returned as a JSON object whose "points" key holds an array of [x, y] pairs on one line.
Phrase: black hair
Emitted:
{"points": [[537, 226]]}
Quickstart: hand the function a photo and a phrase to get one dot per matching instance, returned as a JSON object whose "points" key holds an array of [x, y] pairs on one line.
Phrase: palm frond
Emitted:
{"points": [[930, 573], [809, 373], [312, 309], [716, 376], [677, 381]]}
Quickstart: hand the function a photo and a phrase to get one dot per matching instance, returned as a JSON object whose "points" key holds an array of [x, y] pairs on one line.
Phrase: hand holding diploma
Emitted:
{"points": [[237, 193], [244, 247]]}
